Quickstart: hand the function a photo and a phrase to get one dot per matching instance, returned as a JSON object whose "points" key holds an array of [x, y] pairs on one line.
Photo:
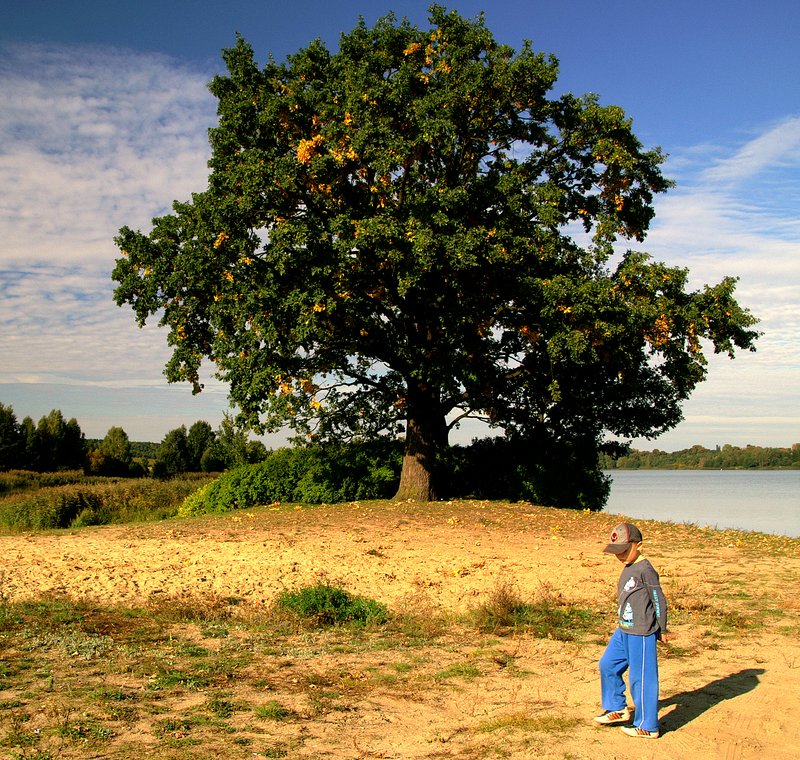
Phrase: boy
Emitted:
{"points": [[642, 621]]}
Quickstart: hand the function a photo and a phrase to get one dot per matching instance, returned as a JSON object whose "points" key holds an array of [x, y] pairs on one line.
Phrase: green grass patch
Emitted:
{"points": [[221, 707], [464, 670], [548, 723], [273, 710], [325, 605], [276, 750]]}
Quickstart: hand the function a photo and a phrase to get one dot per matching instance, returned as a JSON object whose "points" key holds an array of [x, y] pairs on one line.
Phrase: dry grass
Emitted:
{"points": [[204, 671], [548, 615], [196, 675]]}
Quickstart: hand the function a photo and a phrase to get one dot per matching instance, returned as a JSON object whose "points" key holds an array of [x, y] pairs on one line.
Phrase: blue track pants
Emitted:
{"points": [[637, 655]]}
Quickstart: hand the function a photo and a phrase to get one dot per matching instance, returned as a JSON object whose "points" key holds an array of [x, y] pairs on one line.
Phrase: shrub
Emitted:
{"points": [[350, 472], [548, 472], [52, 508], [310, 475], [552, 473], [325, 605], [94, 503], [195, 503]]}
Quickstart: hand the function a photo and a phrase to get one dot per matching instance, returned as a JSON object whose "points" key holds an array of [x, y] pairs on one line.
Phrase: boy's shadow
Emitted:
{"points": [[691, 704]]}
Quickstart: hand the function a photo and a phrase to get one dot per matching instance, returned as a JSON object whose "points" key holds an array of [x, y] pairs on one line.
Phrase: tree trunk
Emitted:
{"points": [[426, 437]]}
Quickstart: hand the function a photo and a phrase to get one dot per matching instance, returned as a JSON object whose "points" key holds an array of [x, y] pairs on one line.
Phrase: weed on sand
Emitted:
{"points": [[548, 616]]}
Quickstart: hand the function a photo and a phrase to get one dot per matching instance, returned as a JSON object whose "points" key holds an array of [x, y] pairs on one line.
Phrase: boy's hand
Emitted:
{"points": [[666, 637]]}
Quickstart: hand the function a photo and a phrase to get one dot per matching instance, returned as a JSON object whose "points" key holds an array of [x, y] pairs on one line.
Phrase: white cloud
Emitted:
{"points": [[778, 147], [734, 213], [90, 140]]}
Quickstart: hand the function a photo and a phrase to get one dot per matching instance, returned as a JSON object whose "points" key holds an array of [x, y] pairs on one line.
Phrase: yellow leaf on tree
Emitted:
{"points": [[307, 149]]}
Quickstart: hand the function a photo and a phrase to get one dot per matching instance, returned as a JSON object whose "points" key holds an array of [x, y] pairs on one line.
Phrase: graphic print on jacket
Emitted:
{"points": [[642, 606]]}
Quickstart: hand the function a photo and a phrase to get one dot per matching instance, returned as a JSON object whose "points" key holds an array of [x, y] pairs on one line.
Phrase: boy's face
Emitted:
{"points": [[631, 554]]}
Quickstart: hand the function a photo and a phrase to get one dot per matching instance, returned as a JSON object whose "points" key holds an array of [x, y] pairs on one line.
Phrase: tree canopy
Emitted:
{"points": [[11, 439], [53, 444], [413, 230]]}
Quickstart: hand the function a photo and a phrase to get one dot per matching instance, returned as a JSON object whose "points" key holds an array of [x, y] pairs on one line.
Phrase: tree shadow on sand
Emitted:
{"points": [[691, 704]]}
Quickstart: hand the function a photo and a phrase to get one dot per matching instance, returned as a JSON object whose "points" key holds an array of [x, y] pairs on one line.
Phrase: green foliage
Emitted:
{"points": [[489, 468], [386, 241], [308, 475], [144, 449], [93, 502], [53, 444], [212, 460], [698, 458], [59, 442], [112, 456], [117, 445], [559, 474], [11, 439], [356, 471], [196, 502], [231, 445], [173, 454], [243, 487], [205, 450], [199, 438], [325, 605]]}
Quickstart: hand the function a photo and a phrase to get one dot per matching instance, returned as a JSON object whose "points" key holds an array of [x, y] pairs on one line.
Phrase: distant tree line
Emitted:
{"points": [[55, 444], [700, 458], [489, 468], [52, 444], [201, 449]]}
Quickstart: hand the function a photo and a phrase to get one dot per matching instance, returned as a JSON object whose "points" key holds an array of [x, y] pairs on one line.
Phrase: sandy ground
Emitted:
{"points": [[723, 695]]}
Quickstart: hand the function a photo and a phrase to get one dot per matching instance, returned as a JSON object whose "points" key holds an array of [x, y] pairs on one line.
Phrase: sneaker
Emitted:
{"points": [[640, 732], [613, 717]]}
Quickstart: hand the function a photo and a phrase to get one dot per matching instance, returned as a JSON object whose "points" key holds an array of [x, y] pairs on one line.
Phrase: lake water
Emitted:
{"points": [[767, 501]]}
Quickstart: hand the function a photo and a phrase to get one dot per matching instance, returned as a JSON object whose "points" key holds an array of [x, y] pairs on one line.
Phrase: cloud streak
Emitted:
{"points": [[777, 148], [734, 212], [91, 139]]}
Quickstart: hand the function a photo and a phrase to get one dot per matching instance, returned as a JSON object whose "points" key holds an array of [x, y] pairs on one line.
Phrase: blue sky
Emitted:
{"points": [[104, 119]]}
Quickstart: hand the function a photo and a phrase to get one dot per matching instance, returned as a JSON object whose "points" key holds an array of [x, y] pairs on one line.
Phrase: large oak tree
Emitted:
{"points": [[414, 230]]}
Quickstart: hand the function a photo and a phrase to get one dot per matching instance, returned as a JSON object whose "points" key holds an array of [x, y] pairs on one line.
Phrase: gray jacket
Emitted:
{"points": [[642, 604]]}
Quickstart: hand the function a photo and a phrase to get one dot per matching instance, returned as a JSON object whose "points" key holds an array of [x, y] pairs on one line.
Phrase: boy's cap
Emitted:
{"points": [[622, 537]]}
